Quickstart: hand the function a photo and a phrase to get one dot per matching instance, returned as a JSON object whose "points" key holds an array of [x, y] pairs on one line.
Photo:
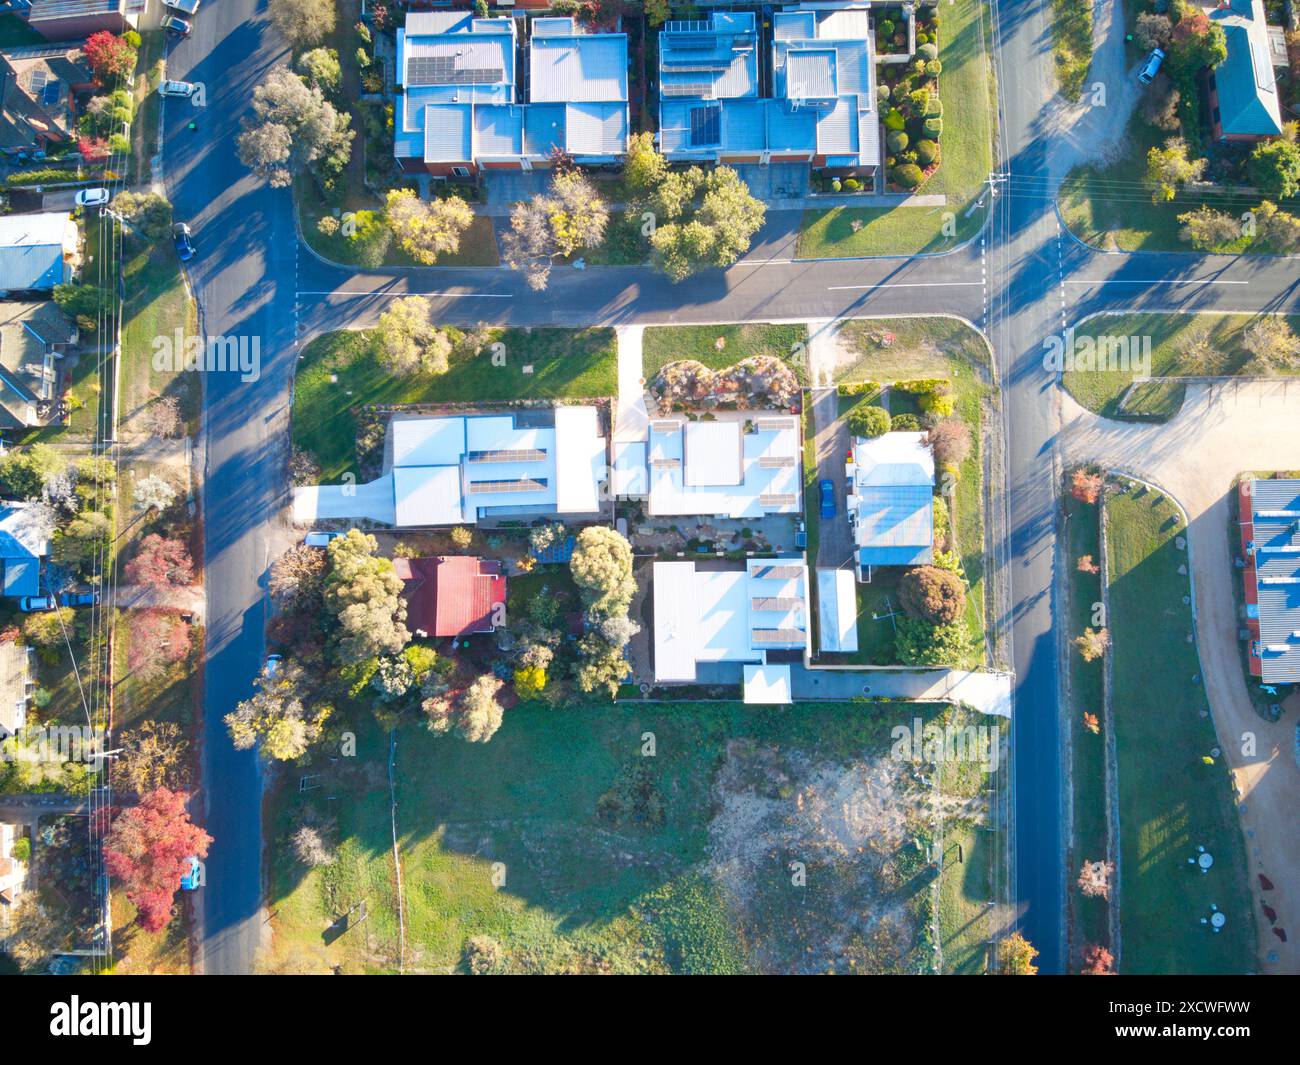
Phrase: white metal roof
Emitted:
{"points": [[837, 610], [768, 685], [580, 463]]}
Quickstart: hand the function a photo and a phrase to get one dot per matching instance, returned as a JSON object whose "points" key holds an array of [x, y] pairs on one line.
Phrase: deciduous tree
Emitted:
{"points": [[426, 230], [292, 127], [1016, 956], [297, 578], [364, 596], [160, 561], [602, 569], [1169, 169], [302, 22], [1206, 228], [109, 56], [279, 716], [409, 343]]}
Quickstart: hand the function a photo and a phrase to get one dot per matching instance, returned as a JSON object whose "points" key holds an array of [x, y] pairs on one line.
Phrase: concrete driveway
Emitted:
{"points": [[1222, 431], [835, 538]]}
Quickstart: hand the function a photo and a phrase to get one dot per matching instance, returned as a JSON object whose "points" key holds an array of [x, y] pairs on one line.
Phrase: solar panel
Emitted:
{"points": [[775, 462], [776, 499], [761, 636], [700, 90], [666, 464], [775, 602], [39, 78], [442, 70], [774, 425], [523, 484], [706, 125], [530, 454], [665, 427], [51, 93], [778, 572]]}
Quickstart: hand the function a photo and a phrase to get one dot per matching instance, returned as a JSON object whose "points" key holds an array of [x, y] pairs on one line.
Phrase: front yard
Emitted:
{"points": [[1171, 799], [724, 852], [967, 89], [1182, 345], [720, 346], [340, 373]]}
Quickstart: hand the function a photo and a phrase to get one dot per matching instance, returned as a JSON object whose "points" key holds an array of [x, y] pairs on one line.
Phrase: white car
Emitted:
{"points": [[92, 197], [177, 88]]}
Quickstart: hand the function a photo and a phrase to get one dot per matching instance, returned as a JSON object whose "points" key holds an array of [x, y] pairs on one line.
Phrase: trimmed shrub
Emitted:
{"points": [[868, 421], [896, 141], [894, 119], [926, 50], [905, 423], [927, 152], [933, 68], [908, 176], [852, 184], [934, 108], [932, 594], [933, 128]]}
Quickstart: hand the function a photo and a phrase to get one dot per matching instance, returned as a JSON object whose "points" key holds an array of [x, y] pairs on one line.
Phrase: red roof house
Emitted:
{"points": [[452, 595]]}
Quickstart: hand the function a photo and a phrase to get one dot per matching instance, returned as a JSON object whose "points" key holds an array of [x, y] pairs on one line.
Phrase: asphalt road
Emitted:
{"points": [[243, 279], [1022, 281]]}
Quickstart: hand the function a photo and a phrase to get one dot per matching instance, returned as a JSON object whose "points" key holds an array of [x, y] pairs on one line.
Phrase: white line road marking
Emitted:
{"points": [[380, 292], [902, 284], [1120, 281]]}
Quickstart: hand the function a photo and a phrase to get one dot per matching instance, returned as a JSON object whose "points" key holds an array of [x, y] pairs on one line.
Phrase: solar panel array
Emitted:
{"points": [[700, 90], [776, 602], [778, 572], [529, 454], [777, 499], [775, 462], [523, 484], [762, 636], [706, 125], [442, 70]]}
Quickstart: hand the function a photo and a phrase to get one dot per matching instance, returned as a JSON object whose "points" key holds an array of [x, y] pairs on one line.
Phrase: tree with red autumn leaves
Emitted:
{"points": [[1098, 961], [1086, 485], [157, 638], [160, 562], [92, 149], [147, 850], [109, 56]]}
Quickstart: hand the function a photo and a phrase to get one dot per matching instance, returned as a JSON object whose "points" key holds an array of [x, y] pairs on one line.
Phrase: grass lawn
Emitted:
{"points": [[137, 952], [664, 344], [478, 244], [1088, 831], [1170, 801], [1072, 44], [1172, 337], [876, 601], [926, 348], [504, 839], [157, 304], [566, 363], [967, 90], [144, 128], [1109, 208]]}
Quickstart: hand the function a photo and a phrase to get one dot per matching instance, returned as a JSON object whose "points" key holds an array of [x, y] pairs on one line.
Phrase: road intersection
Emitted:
{"points": [[1022, 280]]}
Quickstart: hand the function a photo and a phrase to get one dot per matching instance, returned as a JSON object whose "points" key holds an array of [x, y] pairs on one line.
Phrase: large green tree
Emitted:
{"points": [[363, 595]]}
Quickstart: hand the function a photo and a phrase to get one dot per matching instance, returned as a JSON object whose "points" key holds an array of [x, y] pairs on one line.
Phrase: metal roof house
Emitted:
{"points": [[62, 20], [462, 109], [24, 542], [36, 251], [452, 595], [822, 110], [38, 95], [462, 469], [33, 337], [709, 615], [1245, 103], [742, 464], [891, 501], [1270, 541]]}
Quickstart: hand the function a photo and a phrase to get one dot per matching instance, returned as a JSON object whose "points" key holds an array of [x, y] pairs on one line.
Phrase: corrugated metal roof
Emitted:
{"points": [[579, 68], [810, 74], [544, 128], [448, 133], [794, 25], [837, 129], [498, 130], [1275, 508], [596, 128], [1248, 97]]}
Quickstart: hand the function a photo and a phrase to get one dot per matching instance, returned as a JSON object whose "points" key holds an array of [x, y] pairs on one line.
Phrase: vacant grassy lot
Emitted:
{"points": [[1170, 800], [1176, 340], [341, 372], [966, 88], [720, 346], [1109, 208], [930, 348], [515, 839], [1088, 833]]}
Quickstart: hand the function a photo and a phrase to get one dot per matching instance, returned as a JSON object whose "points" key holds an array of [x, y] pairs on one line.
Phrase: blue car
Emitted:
{"points": [[192, 877], [826, 493], [184, 245]]}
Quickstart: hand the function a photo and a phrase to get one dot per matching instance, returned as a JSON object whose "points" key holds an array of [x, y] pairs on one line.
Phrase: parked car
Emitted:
{"points": [[273, 664], [177, 26], [79, 598], [31, 603], [192, 877], [177, 88], [92, 197], [826, 495], [800, 537], [185, 7], [1151, 67], [184, 245], [320, 539]]}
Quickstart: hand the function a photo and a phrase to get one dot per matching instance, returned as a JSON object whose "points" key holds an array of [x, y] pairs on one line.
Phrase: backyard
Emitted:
{"points": [[340, 373], [1175, 794], [574, 853], [1182, 345], [967, 90]]}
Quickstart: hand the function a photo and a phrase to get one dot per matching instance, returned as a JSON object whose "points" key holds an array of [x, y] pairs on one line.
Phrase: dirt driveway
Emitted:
{"points": [[1221, 432]]}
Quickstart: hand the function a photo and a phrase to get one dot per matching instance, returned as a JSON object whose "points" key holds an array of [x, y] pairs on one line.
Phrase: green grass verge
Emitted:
{"points": [[1072, 44], [566, 364], [503, 839], [1172, 336], [966, 88], [1088, 831], [664, 344], [1170, 800]]}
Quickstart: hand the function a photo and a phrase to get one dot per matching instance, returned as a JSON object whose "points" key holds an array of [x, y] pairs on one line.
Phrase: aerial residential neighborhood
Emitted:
{"points": [[633, 487]]}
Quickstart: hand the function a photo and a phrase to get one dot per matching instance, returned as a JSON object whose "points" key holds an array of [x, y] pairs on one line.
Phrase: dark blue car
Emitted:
{"points": [[826, 493], [181, 238]]}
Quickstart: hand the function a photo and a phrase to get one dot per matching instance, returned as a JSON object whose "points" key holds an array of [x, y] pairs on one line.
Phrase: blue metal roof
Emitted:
{"points": [[1248, 96], [1276, 515], [895, 521]]}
